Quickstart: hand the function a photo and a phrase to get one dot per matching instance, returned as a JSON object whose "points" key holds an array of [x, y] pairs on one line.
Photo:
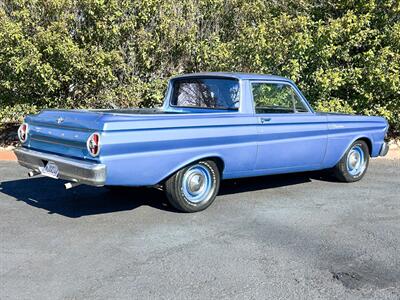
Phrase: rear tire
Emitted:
{"points": [[194, 187], [354, 163]]}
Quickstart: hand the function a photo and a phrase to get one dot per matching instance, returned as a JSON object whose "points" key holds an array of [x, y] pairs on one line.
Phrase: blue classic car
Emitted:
{"points": [[212, 126]]}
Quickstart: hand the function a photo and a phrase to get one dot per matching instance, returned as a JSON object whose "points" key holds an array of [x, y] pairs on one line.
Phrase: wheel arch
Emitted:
{"points": [[214, 157], [364, 138], [368, 142]]}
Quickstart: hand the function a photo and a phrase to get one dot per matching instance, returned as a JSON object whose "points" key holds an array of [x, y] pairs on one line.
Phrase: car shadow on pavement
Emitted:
{"points": [[82, 200], [50, 195], [249, 184]]}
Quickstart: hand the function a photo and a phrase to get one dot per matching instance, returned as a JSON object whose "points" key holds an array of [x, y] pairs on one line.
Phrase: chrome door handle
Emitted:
{"points": [[265, 120]]}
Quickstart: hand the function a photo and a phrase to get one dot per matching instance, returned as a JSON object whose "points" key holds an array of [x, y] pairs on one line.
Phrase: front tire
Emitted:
{"points": [[194, 187], [354, 163]]}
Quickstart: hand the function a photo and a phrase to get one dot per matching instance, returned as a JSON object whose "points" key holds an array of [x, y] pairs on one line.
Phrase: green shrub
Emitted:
{"points": [[344, 55], [15, 113], [334, 105]]}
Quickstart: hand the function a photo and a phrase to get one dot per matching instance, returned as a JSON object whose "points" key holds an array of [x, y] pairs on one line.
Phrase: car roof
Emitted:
{"points": [[236, 75]]}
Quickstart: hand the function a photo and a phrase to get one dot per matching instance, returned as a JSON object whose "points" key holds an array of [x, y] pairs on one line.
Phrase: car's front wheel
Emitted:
{"points": [[354, 163], [194, 187]]}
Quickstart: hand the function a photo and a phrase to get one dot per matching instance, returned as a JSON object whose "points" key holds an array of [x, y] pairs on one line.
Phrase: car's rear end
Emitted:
{"points": [[138, 147], [63, 144], [130, 148]]}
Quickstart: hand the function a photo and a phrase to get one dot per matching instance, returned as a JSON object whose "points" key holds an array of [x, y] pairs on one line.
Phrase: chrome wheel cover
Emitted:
{"points": [[356, 162], [198, 184]]}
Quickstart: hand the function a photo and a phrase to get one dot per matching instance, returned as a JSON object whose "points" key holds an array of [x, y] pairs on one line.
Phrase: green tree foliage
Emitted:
{"points": [[344, 54]]}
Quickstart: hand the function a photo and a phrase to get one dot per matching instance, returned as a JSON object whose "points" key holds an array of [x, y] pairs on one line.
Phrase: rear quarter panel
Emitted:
{"points": [[343, 130], [149, 153]]}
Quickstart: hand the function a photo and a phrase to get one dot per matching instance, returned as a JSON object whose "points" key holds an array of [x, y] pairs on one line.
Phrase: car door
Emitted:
{"points": [[291, 136]]}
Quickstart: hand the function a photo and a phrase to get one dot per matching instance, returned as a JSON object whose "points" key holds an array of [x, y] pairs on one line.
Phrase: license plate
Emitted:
{"points": [[50, 170]]}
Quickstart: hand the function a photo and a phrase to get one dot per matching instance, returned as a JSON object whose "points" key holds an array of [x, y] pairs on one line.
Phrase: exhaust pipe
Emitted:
{"points": [[70, 185], [33, 173]]}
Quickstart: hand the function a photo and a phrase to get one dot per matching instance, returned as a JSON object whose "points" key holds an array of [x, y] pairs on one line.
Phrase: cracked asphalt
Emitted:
{"points": [[298, 236]]}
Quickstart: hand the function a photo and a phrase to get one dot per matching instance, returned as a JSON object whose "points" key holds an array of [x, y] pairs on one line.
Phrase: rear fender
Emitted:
{"points": [[192, 160], [361, 137]]}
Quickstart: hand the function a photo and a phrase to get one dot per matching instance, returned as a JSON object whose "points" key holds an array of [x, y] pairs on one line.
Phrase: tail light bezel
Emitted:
{"points": [[89, 144], [23, 137]]}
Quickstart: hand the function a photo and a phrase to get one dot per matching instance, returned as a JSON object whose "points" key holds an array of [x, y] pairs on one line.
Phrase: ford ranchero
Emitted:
{"points": [[212, 126]]}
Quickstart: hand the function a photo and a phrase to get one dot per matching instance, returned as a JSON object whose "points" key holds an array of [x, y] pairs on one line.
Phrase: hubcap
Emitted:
{"points": [[197, 184], [356, 161]]}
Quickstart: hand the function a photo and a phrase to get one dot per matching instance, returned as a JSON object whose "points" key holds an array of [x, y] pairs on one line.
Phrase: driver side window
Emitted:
{"points": [[276, 98]]}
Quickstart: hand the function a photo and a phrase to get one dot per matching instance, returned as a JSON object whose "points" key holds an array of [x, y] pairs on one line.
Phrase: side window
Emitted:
{"points": [[276, 98]]}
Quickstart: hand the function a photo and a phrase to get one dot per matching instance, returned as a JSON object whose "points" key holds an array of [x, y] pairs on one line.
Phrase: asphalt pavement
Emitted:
{"points": [[297, 236]]}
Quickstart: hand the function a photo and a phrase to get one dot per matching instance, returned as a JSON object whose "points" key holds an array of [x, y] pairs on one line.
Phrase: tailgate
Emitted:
{"points": [[62, 132]]}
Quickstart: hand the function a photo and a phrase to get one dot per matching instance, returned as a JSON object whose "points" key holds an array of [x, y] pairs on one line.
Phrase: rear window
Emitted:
{"points": [[214, 93]]}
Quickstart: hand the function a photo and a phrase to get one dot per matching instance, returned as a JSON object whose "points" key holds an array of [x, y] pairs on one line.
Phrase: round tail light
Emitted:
{"points": [[93, 144], [23, 132]]}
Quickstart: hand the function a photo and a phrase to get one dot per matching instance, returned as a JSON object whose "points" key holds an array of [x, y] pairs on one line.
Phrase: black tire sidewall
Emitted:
{"points": [[179, 199], [341, 169]]}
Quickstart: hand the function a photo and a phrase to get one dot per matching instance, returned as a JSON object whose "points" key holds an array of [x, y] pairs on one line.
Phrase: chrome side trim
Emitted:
{"points": [[384, 149], [76, 170]]}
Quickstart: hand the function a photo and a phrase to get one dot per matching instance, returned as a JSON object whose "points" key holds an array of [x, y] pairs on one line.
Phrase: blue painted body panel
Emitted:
{"points": [[144, 149]]}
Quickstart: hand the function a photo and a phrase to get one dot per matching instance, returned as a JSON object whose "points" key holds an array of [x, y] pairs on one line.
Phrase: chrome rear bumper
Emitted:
{"points": [[70, 169]]}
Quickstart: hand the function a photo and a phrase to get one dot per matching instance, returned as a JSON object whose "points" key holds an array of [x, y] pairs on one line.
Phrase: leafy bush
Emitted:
{"points": [[16, 113], [345, 55]]}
